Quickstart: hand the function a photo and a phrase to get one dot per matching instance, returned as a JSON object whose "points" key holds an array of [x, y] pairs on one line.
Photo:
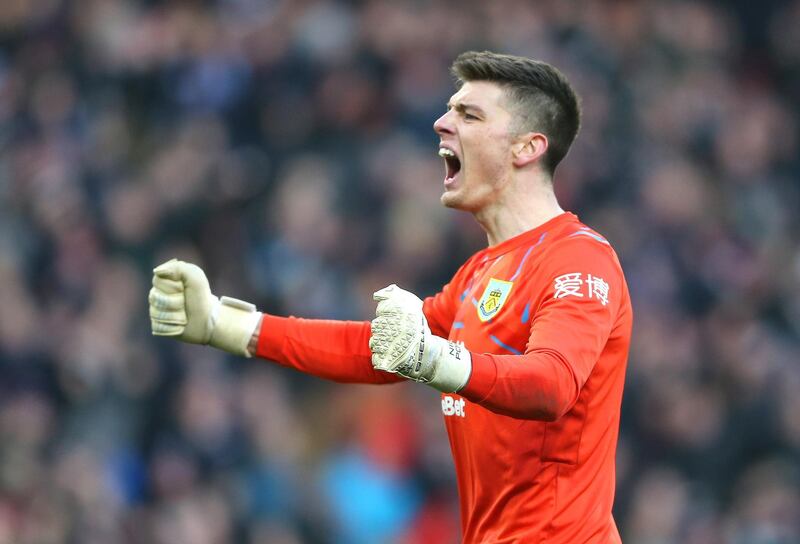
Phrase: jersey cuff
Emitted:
{"points": [[482, 380], [271, 337]]}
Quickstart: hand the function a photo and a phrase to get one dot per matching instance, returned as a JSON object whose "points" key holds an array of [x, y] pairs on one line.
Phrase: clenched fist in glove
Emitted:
{"points": [[402, 343], [182, 306]]}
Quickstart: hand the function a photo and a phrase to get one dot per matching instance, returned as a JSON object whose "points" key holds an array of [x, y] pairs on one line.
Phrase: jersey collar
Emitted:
{"points": [[530, 237]]}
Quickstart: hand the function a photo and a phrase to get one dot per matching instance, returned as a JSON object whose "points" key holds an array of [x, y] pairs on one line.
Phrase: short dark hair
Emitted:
{"points": [[541, 96]]}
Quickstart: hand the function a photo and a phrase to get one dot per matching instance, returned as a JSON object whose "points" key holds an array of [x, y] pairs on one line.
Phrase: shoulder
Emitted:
{"points": [[581, 254], [582, 268], [580, 243]]}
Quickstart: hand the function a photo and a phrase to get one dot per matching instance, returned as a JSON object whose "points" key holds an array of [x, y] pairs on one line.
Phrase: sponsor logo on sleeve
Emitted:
{"points": [[576, 284], [453, 407]]}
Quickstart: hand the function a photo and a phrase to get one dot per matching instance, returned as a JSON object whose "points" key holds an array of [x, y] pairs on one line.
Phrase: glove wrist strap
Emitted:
{"points": [[234, 324], [453, 364]]}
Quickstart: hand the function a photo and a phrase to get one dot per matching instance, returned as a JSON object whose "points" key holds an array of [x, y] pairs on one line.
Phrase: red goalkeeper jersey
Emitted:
{"points": [[547, 318]]}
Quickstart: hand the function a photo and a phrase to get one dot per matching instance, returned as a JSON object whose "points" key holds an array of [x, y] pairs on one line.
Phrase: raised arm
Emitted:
{"points": [[183, 307], [333, 350]]}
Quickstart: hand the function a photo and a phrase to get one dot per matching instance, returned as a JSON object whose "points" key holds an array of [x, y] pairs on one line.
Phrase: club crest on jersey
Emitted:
{"points": [[493, 298]]}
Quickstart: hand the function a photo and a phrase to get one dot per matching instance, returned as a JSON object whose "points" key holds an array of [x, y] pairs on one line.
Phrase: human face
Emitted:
{"points": [[476, 145]]}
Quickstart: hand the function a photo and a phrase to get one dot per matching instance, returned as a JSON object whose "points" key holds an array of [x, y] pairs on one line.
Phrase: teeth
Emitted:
{"points": [[444, 152]]}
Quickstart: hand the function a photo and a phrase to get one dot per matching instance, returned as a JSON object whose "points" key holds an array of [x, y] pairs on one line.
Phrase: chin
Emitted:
{"points": [[458, 200], [450, 199]]}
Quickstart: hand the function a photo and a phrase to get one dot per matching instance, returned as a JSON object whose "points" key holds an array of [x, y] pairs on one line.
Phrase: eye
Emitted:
{"points": [[470, 117]]}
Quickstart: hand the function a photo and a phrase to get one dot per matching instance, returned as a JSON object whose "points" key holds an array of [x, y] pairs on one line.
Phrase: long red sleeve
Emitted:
{"points": [[537, 385], [339, 350], [333, 350]]}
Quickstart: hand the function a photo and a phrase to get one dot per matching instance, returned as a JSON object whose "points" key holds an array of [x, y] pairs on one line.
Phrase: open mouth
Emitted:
{"points": [[452, 163]]}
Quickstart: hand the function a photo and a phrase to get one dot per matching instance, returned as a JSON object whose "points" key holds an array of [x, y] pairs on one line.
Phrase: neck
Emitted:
{"points": [[519, 211]]}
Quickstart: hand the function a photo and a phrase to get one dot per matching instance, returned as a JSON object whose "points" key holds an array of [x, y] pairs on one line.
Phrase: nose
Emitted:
{"points": [[444, 125]]}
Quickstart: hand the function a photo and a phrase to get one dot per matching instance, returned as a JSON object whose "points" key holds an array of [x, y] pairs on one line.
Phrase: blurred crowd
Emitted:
{"points": [[286, 147]]}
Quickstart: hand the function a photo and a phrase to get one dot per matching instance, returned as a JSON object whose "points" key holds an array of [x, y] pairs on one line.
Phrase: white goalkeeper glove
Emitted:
{"points": [[182, 306], [402, 343]]}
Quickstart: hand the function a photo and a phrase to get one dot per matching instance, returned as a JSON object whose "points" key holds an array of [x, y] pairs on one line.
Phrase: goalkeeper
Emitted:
{"points": [[527, 343]]}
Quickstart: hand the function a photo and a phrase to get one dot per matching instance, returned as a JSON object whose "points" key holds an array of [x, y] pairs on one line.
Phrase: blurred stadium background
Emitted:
{"points": [[286, 146]]}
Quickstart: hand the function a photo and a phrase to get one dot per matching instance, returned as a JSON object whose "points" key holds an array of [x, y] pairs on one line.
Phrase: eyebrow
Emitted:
{"points": [[462, 107]]}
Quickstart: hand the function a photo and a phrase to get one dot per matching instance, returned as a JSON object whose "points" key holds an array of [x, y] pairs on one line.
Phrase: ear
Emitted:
{"points": [[529, 149]]}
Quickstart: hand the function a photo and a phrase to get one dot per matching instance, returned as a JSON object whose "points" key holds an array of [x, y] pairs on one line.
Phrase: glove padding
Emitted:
{"points": [[183, 307], [402, 343]]}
